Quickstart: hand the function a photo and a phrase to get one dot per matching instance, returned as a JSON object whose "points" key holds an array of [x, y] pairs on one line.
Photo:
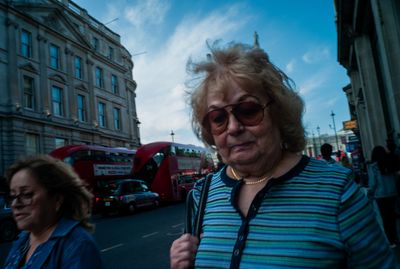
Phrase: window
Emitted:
{"points": [[78, 67], [110, 53], [114, 84], [102, 114], [54, 56], [81, 108], [99, 77], [26, 44], [60, 142], [95, 43], [57, 99], [117, 118], [29, 93], [31, 144]]}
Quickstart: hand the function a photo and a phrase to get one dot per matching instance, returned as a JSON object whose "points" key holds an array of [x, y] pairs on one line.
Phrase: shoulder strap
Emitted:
{"points": [[198, 221]]}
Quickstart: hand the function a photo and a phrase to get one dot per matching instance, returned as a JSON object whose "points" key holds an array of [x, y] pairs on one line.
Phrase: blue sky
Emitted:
{"points": [[299, 36]]}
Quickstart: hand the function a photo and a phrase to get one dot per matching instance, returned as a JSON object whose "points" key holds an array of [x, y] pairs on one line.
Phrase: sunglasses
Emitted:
{"points": [[24, 199], [247, 113]]}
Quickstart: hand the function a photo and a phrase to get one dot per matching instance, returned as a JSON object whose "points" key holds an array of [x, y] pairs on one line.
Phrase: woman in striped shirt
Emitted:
{"points": [[269, 206]]}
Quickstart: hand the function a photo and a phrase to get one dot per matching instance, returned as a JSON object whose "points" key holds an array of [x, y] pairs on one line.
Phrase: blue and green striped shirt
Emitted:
{"points": [[314, 216]]}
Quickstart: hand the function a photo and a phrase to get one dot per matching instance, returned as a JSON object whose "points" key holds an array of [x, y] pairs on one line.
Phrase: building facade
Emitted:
{"points": [[343, 140], [369, 49], [65, 78]]}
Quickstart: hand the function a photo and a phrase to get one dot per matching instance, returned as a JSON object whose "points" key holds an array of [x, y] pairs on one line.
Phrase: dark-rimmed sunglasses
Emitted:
{"points": [[24, 198], [247, 113]]}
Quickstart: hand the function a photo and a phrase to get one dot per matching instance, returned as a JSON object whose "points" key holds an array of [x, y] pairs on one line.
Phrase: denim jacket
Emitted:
{"points": [[380, 186], [70, 246]]}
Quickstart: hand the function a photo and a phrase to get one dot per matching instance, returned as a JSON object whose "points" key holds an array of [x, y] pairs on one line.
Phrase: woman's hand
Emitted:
{"points": [[183, 251]]}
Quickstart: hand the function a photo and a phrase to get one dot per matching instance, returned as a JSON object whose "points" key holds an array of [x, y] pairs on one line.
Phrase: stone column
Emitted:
{"points": [[44, 103], [13, 95]]}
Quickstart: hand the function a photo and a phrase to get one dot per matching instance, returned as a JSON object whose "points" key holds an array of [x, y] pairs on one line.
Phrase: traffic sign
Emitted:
{"points": [[350, 125]]}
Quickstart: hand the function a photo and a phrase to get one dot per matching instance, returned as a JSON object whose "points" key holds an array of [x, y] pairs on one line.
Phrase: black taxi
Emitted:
{"points": [[126, 195]]}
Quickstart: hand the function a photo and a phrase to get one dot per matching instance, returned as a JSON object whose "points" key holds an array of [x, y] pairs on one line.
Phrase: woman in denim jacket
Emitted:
{"points": [[52, 207]]}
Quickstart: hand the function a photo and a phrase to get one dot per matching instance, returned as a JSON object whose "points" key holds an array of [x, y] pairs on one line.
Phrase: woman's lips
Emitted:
{"points": [[240, 146], [18, 216]]}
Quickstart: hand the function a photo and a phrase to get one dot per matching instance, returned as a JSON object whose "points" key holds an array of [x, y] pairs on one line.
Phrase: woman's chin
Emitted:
{"points": [[244, 160]]}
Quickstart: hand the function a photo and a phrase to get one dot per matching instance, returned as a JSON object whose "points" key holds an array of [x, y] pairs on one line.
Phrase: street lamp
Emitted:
{"points": [[334, 129], [172, 135], [319, 135], [314, 145]]}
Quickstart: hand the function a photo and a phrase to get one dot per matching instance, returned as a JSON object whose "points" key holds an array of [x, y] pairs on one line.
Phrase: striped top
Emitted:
{"points": [[311, 217]]}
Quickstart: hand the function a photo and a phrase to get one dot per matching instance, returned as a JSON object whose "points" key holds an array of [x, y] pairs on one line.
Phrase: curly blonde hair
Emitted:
{"points": [[252, 70], [58, 178]]}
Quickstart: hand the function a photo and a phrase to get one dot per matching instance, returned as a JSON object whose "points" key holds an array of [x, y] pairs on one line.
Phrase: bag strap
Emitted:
{"points": [[188, 213], [196, 229]]}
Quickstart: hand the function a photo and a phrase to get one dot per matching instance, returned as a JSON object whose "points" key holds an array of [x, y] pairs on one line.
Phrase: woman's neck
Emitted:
{"points": [[40, 236], [281, 166]]}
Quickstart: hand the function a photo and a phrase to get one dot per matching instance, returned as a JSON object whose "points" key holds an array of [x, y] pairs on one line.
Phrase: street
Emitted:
{"points": [[141, 240]]}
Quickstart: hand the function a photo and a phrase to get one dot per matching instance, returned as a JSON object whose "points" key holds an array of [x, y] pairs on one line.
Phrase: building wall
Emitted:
{"points": [[67, 26], [369, 48]]}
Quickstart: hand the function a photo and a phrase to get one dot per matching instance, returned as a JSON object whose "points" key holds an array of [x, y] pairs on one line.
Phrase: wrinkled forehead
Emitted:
{"points": [[221, 88]]}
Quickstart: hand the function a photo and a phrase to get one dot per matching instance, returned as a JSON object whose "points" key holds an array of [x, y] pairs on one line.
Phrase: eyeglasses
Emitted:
{"points": [[24, 198], [247, 113]]}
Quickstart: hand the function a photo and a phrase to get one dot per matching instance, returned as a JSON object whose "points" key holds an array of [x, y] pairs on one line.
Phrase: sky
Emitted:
{"points": [[299, 36]]}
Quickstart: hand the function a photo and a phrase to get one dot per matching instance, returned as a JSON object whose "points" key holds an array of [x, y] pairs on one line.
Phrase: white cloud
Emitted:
{"points": [[160, 77], [147, 12], [316, 55], [311, 84], [290, 66]]}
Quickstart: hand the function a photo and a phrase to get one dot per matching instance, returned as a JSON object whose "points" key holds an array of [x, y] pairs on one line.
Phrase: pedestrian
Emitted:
{"points": [[52, 208], [382, 187], [345, 161], [270, 206], [326, 152]]}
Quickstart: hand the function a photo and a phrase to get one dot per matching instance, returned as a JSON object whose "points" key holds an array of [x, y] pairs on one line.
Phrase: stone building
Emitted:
{"points": [[369, 49], [65, 78], [339, 141]]}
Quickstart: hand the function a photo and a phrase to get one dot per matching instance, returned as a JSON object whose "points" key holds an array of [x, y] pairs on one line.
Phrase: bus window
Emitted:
{"points": [[180, 151], [158, 158], [69, 160], [172, 150], [99, 155], [80, 155]]}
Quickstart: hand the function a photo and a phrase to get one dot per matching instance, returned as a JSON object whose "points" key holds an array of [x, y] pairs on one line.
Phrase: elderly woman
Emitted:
{"points": [[269, 206], [52, 207]]}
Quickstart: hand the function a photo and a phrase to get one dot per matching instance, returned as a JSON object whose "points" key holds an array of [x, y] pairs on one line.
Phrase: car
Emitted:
{"points": [[126, 196], [8, 227]]}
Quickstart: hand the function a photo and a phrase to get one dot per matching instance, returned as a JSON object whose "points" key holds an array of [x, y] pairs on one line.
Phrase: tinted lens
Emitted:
{"points": [[217, 120], [22, 198], [248, 113]]}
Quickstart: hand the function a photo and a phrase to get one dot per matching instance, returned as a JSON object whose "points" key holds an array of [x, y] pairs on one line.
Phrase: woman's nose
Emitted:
{"points": [[234, 125]]}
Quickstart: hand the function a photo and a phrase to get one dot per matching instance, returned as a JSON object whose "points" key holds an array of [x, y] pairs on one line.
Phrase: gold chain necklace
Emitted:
{"points": [[250, 182]]}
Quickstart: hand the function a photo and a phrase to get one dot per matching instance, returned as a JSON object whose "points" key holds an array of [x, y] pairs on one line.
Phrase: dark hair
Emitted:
{"points": [[380, 156], [326, 150], [58, 178], [252, 70]]}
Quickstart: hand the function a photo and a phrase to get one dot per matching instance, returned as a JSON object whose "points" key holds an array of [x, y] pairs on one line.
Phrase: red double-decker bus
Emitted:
{"points": [[170, 169], [97, 165]]}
